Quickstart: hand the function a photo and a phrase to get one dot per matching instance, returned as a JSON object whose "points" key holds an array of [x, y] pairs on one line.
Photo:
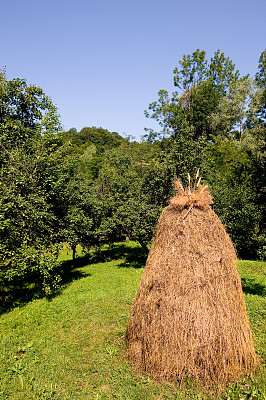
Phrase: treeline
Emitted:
{"points": [[95, 186]]}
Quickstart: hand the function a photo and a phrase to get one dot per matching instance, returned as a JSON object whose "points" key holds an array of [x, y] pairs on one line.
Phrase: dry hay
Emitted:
{"points": [[189, 318]]}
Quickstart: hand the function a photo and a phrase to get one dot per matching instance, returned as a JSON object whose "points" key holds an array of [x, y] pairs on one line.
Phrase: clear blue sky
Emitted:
{"points": [[103, 61]]}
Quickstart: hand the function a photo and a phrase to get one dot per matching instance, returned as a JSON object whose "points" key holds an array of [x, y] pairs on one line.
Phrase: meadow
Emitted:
{"points": [[71, 346]]}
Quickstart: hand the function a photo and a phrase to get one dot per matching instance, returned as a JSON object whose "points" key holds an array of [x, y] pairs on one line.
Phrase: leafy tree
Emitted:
{"points": [[30, 176], [101, 138], [261, 81], [228, 174], [133, 186], [83, 213], [236, 165], [191, 115], [216, 122], [201, 86]]}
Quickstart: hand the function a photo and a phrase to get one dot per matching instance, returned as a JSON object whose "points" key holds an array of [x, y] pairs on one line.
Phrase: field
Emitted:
{"points": [[71, 346]]}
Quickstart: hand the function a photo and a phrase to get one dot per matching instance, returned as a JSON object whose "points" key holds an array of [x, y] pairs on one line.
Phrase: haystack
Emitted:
{"points": [[188, 317]]}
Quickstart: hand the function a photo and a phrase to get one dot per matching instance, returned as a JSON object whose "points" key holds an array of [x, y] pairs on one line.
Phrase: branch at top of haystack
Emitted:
{"points": [[194, 195]]}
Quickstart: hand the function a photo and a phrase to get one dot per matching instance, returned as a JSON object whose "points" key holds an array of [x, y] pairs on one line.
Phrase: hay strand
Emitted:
{"points": [[198, 197], [189, 318]]}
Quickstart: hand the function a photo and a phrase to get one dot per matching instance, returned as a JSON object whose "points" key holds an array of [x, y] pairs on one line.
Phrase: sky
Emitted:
{"points": [[103, 61]]}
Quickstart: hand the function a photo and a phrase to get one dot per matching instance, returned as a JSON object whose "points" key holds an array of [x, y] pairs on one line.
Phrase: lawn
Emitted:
{"points": [[71, 346]]}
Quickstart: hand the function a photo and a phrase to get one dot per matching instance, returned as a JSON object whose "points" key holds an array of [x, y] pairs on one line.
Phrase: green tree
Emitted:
{"points": [[229, 175], [201, 86], [83, 211], [101, 138], [30, 175], [188, 115], [133, 186], [236, 165], [216, 122], [232, 111], [261, 81]]}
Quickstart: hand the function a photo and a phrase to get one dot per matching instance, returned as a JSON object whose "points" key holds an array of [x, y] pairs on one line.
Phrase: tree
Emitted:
{"points": [[229, 175], [216, 122], [133, 186], [101, 138], [201, 86], [236, 164], [83, 213], [188, 115], [233, 109], [261, 81], [30, 176]]}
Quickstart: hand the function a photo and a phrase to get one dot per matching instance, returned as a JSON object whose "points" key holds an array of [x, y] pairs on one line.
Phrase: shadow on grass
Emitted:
{"points": [[133, 256], [20, 292], [250, 286], [69, 271]]}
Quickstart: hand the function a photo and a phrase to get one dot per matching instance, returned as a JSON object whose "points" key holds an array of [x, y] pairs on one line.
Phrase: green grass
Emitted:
{"points": [[72, 346]]}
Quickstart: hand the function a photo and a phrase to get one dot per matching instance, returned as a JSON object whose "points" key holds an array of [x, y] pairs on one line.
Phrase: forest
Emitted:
{"points": [[95, 187]]}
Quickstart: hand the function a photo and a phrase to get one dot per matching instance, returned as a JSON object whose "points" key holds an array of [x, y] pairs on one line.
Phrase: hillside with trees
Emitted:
{"points": [[95, 186]]}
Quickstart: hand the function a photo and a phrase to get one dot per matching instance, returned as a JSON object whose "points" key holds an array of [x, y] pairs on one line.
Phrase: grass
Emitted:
{"points": [[72, 345]]}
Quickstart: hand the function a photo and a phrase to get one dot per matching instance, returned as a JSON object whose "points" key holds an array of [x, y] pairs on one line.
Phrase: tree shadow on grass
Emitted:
{"points": [[133, 257], [250, 286], [134, 264], [69, 271], [20, 292]]}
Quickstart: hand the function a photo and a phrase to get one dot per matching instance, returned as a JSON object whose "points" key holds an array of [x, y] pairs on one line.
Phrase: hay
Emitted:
{"points": [[189, 318]]}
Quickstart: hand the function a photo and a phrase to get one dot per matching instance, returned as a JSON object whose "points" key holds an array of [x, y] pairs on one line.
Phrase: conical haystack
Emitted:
{"points": [[189, 318]]}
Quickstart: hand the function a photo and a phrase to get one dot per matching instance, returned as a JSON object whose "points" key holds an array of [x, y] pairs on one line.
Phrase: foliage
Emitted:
{"points": [[94, 185], [82, 217], [217, 123], [229, 174], [202, 87], [261, 81], [236, 168], [29, 177], [101, 138], [231, 112], [133, 187]]}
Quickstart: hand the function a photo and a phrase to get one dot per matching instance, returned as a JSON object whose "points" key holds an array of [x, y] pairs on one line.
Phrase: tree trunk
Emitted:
{"points": [[73, 247], [143, 245]]}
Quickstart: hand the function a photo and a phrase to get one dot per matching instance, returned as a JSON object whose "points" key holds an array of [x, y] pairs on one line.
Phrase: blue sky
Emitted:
{"points": [[102, 62]]}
